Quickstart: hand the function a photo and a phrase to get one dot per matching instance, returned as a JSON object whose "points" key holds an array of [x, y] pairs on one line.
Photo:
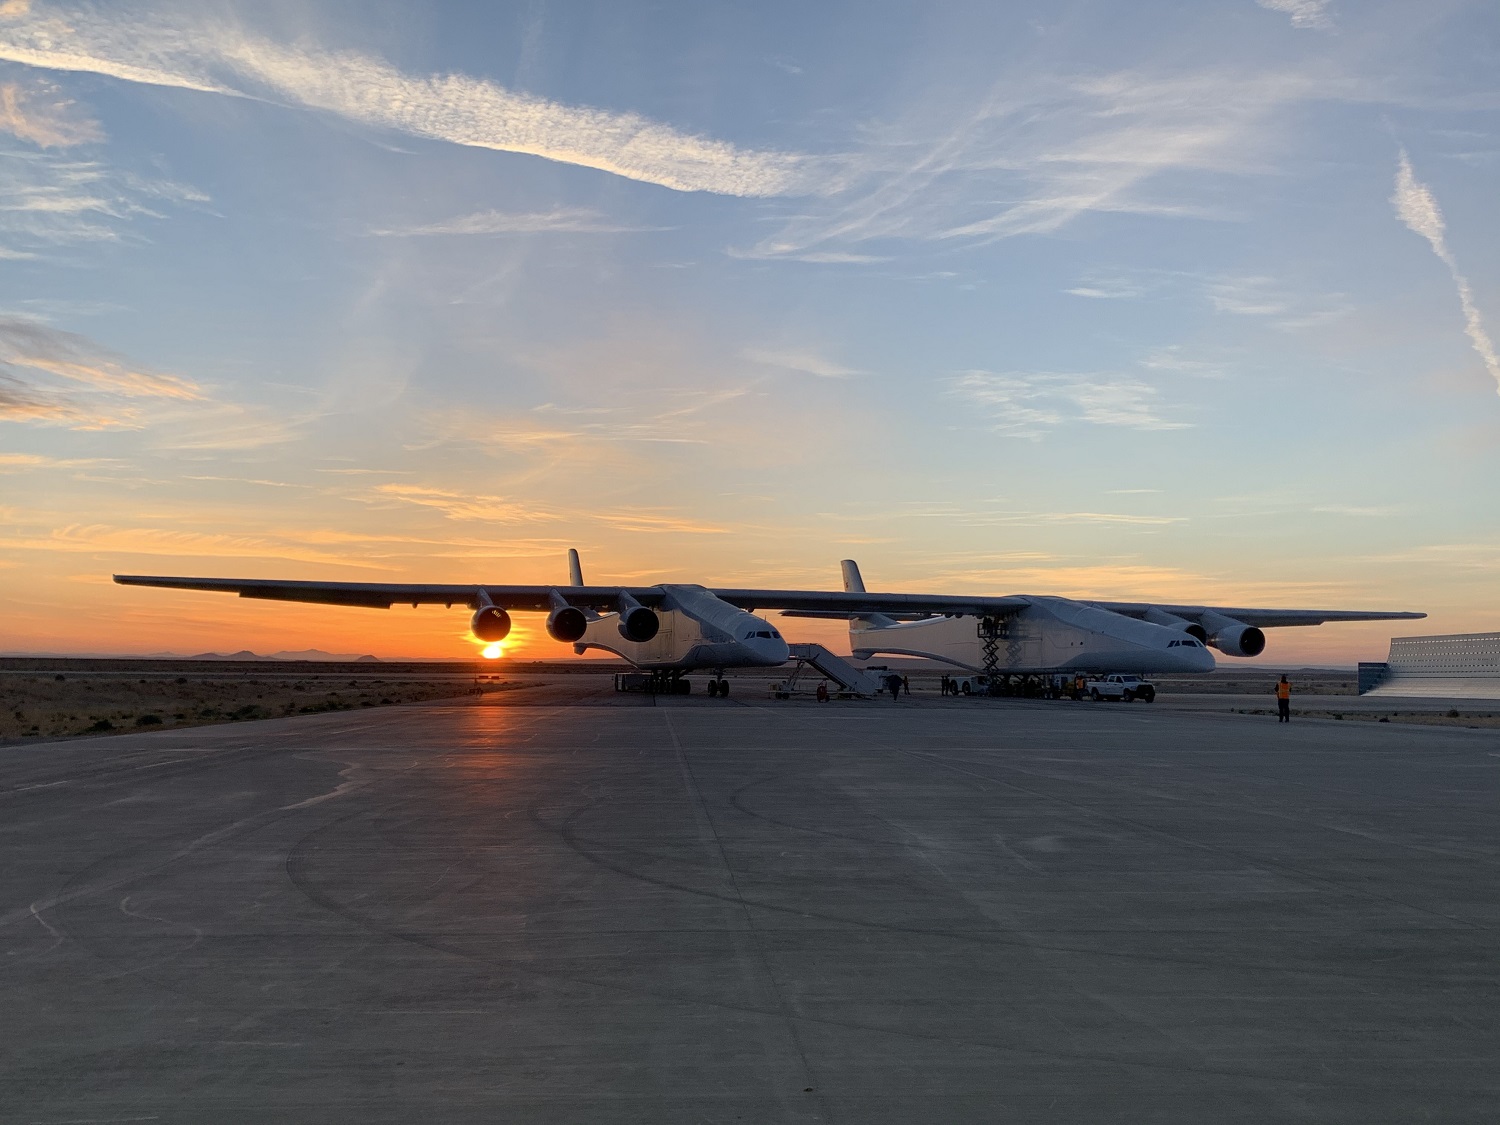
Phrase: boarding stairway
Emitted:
{"points": [[850, 679]]}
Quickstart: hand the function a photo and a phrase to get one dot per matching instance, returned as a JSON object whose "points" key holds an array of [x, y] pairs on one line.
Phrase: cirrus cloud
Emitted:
{"points": [[224, 59]]}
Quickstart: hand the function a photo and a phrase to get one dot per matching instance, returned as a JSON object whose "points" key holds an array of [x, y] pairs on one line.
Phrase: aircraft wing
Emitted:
{"points": [[794, 603], [383, 595], [1260, 618]]}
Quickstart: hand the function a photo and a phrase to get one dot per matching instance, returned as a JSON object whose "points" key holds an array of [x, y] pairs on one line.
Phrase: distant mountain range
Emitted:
{"points": [[243, 654], [246, 654]]}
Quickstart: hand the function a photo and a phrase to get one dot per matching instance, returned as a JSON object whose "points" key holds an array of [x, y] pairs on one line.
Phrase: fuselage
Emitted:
{"points": [[697, 630], [1049, 635]]}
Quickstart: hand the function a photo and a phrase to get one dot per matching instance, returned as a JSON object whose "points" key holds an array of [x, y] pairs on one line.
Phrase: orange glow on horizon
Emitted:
{"points": [[493, 651]]}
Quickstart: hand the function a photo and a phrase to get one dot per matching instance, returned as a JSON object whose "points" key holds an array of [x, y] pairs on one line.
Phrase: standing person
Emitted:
{"points": [[1283, 701], [906, 685], [893, 685], [945, 683], [822, 692]]}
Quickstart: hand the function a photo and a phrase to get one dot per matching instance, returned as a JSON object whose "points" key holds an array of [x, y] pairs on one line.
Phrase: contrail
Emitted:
{"points": [[1416, 207]]}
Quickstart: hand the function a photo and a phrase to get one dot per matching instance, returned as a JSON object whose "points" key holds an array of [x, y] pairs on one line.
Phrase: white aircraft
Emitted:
{"points": [[669, 629], [1038, 634]]}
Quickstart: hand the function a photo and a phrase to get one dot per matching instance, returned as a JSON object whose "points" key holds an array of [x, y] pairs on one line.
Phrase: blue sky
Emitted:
{"points": [[1175, 301]]}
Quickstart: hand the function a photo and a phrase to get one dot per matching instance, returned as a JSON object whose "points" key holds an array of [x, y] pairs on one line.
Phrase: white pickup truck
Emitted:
{"points": [[1122, 687]]}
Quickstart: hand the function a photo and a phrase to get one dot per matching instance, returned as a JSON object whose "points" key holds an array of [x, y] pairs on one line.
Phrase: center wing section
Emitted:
{"points": [[859, 603]]}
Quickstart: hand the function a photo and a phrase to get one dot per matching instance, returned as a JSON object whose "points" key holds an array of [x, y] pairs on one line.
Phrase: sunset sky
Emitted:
{"points": [[1183, 301]]}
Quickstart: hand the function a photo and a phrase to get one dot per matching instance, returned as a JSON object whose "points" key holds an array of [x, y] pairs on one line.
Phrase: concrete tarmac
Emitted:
{"points": [[558, 904]]}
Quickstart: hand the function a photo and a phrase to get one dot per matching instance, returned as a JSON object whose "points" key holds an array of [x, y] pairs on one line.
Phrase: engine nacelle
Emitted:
{"points": [[490, 623], [567, 623], [637, 623], [1234, 638], [1181, 624]]}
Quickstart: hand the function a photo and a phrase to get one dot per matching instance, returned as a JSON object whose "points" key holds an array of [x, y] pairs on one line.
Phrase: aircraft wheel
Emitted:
{"points": [[967, 690], [1094, 694], [724, 689], [713, 687]]}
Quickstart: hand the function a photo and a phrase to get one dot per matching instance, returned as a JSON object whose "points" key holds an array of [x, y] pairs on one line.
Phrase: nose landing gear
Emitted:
{"points": [[719, 686]]}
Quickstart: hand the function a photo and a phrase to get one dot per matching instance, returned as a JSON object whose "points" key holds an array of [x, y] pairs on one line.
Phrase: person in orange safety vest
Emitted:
{"points": [[1284, 701]]}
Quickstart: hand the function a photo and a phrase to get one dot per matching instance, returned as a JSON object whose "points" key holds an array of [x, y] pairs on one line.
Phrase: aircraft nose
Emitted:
{"points": [[777, 651], [772, 650], [1199, 659]]}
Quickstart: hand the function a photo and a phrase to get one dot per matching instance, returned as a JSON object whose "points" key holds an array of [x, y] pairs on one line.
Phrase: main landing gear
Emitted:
{"points": [[669, 683]]}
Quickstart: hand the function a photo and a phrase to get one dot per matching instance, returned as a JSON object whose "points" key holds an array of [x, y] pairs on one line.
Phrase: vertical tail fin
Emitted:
{"points": [[575, 568], [853, 583]]}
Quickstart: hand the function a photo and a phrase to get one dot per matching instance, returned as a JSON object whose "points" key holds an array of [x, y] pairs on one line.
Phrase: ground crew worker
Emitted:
{"points": [[893, 685], [822, 692], [906, 685], [1283, 701]]}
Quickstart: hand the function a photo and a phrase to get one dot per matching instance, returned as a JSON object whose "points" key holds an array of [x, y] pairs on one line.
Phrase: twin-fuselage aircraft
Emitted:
{"points": [[669, 629]]}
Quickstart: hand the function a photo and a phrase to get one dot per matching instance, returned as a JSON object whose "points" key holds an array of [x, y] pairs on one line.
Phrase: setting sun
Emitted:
{"points": [[494, 651]]}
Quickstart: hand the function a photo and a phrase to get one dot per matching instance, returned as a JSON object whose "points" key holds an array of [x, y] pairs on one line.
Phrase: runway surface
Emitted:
{"points": [[558, 904]]}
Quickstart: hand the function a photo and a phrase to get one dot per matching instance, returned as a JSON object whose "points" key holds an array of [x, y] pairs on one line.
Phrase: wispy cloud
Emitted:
{"points": [[29, 343], [226, 59], [459, 506], [1355, 510], [656, 520], [559, 220], [1266, 297], [1029, 404], [48, 200], [59, 378], [1108, 289], [21, 462], [172, 542], [1479, 558], [55, 378], [1173, 359], [39, 112], [1304, 13], [805, 362], [1039, 149], [1418, 209]]}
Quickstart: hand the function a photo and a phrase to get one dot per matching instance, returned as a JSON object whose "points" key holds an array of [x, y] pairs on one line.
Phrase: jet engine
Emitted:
{"points": [[637, 623], [1233, 638], [490, 623], [566, 623], [1181, 624]]}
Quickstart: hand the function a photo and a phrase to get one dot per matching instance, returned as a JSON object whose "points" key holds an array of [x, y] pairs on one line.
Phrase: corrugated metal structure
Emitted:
{"points": [[1456, 666]]}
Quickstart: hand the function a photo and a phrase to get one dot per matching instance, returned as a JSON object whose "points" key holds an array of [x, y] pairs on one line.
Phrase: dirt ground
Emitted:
{"points": [[50, 701], [1239, 681]]}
